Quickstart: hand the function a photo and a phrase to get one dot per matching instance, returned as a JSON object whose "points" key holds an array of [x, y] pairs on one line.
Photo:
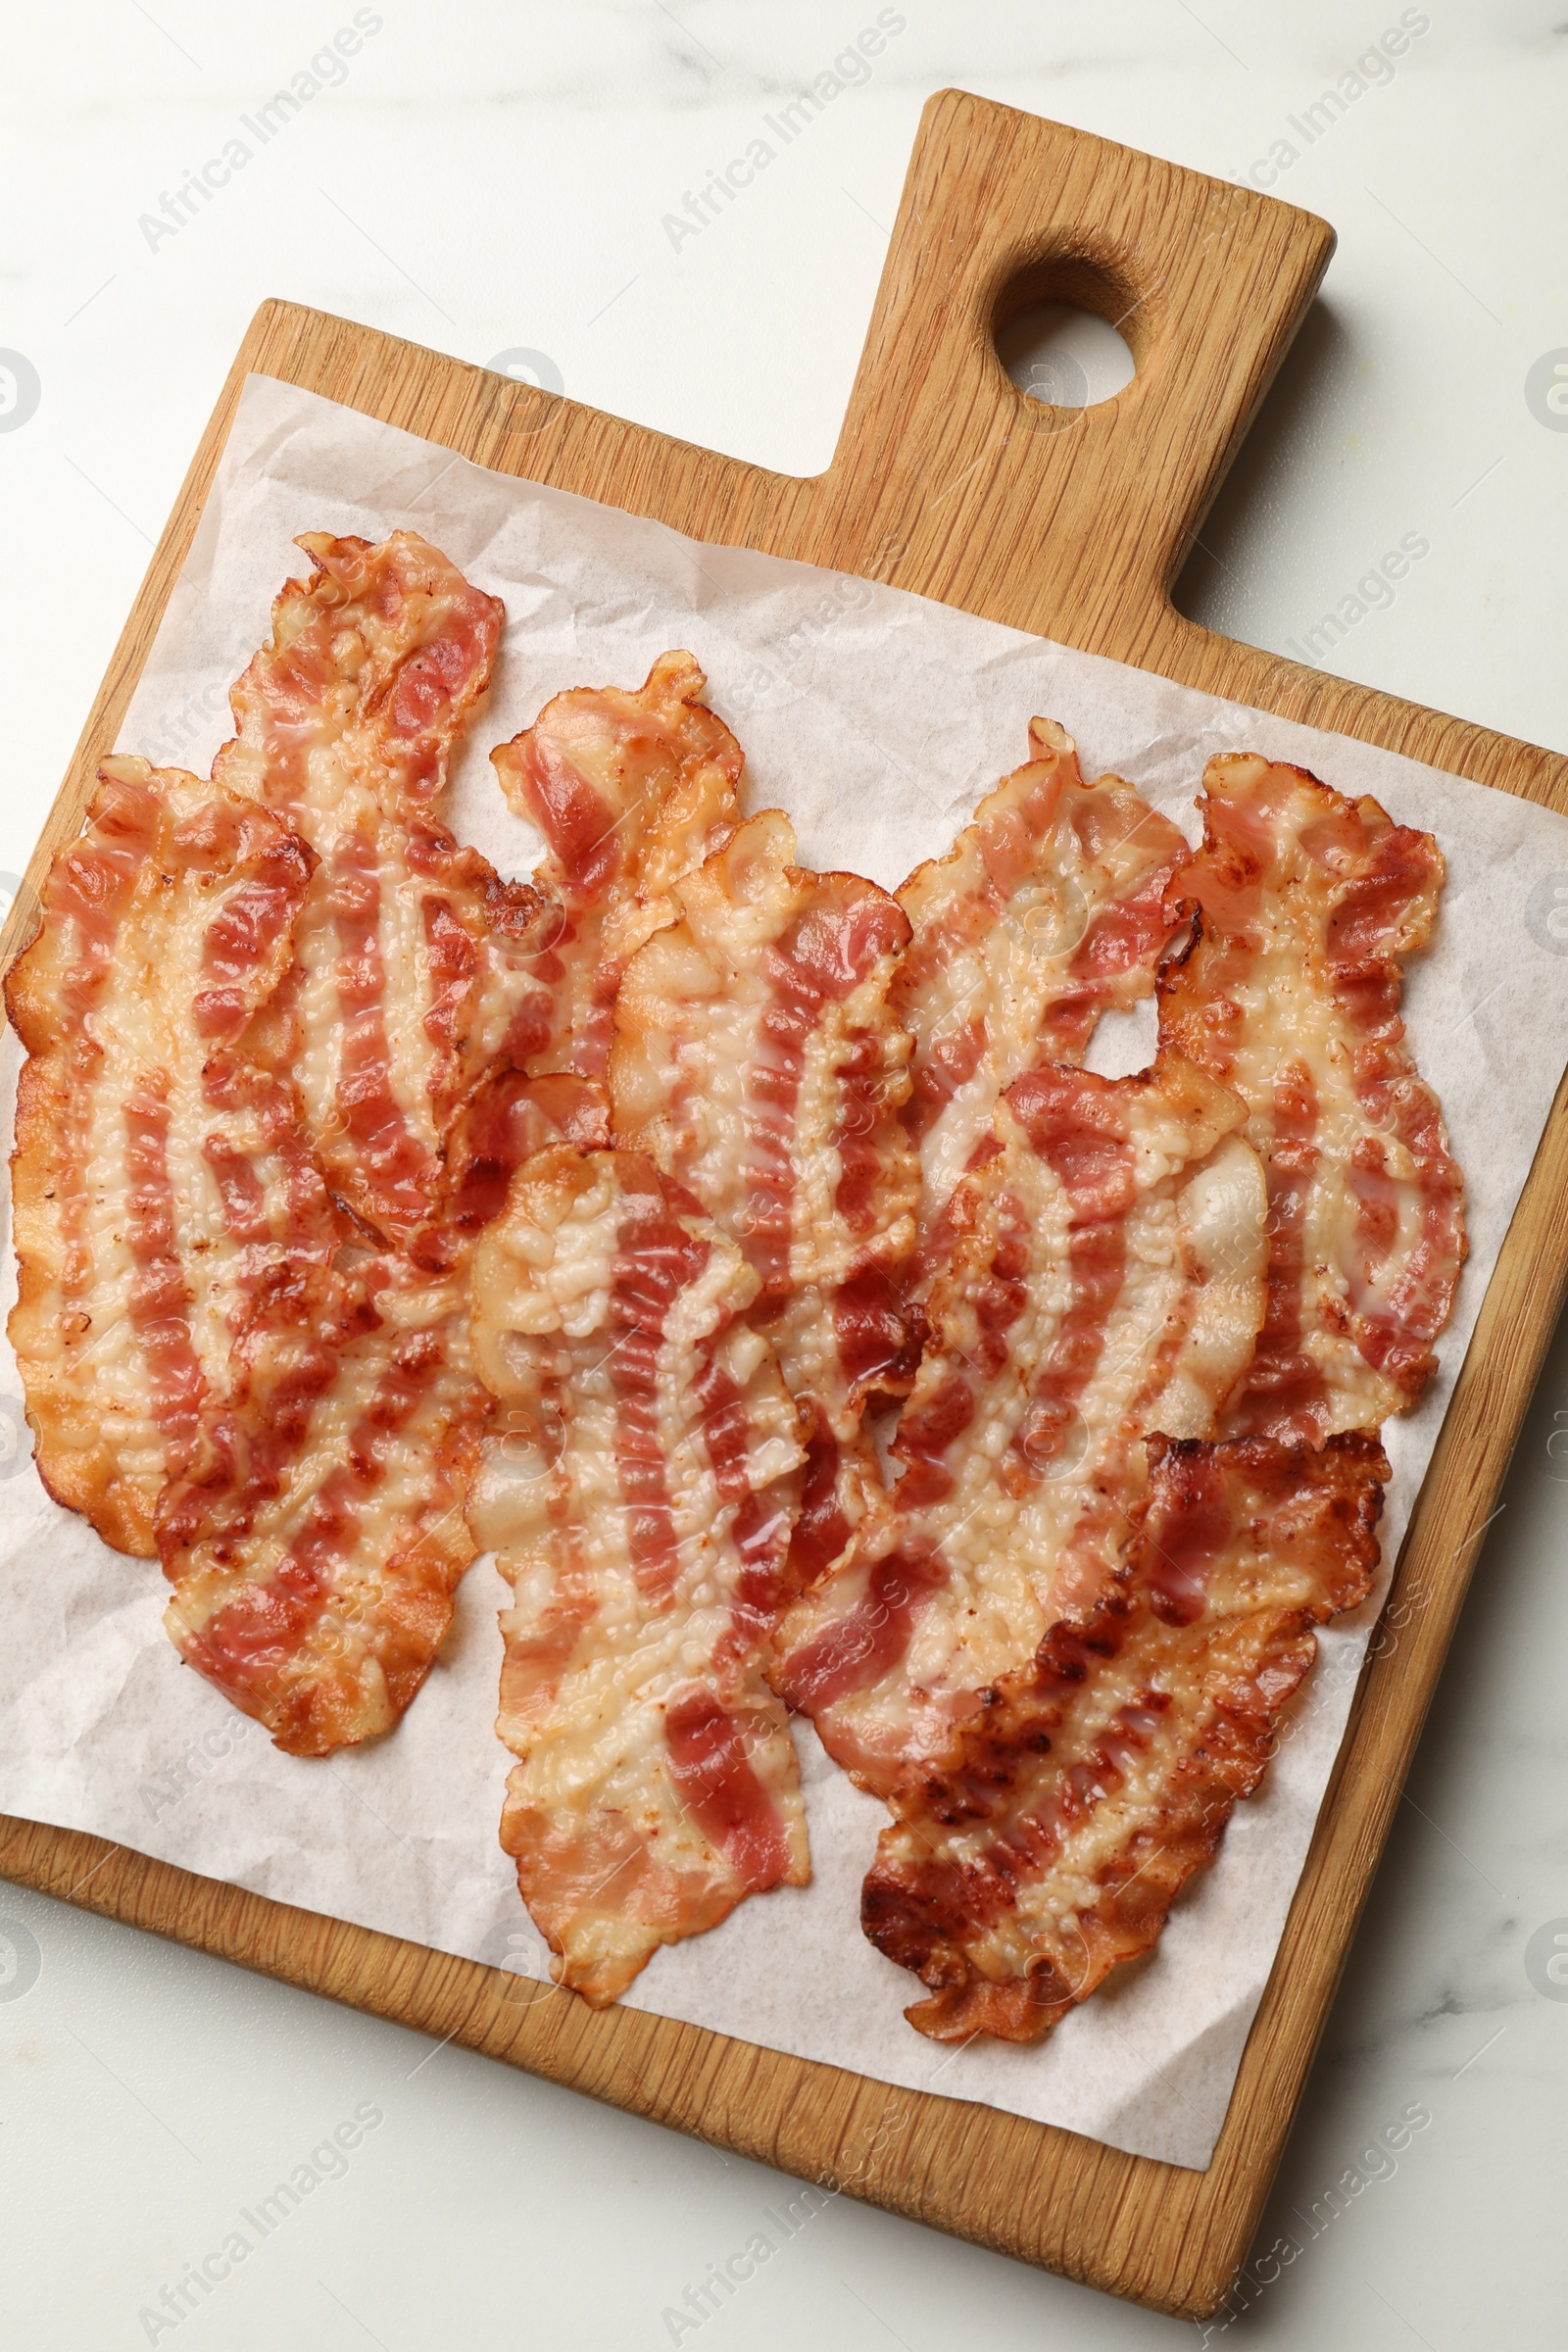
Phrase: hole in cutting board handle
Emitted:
{"points": [[1065, 357], [1057, 334]]}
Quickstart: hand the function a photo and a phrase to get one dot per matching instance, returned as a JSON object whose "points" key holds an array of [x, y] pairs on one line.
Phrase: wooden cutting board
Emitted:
{"points": [[948, 481]]}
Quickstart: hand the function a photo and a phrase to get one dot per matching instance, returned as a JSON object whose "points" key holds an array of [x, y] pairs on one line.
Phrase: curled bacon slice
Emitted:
{"points": [[1052, 1843], [159, 1176], [1048, 910], [630, 792], [506, 1120], [758, 1061], [1105, 1280], [417, 967], [641, 1506], [318, 1538], [1305, 904]]}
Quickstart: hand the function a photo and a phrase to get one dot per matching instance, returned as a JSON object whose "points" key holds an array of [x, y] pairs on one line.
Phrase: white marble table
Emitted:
{"points": [[492, 179]]}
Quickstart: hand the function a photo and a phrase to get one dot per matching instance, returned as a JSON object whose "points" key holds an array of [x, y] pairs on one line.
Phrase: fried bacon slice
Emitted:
{"points": [[315, 1543], [630, 790], [1106, 1281], [417, 968], [641, 1506], [317, 1539], [1048, 910], [758, 1061], [1079, 1801], [1304, 906], [160, 1178]]}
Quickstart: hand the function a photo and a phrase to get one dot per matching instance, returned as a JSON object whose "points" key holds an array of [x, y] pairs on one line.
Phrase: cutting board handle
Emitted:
{"points": [[942, 456]]}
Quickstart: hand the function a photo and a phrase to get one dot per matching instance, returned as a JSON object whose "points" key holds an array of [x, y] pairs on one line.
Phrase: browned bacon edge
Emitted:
{"points": [[1036, 1769]]}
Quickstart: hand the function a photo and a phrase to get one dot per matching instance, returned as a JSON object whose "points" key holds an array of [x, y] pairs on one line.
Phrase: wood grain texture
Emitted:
{"points": [[948, 481]]}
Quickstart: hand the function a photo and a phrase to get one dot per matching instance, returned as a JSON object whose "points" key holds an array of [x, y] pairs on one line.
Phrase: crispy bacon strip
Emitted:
{"points": [[641, 1507], [1107, 1280], [1305, 905], [1048, 910], [758, 1061], [1078, 1803], [417, 967], [317, 1542], [630, 790], [159, 1176]]}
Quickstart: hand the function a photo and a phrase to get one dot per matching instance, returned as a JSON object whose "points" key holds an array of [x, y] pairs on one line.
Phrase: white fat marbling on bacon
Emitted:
{"points": [[630, 790], [160, 1176], [1047, 912], [1051, 1841], [1106, 1281], [758, 1061], [640, 1501], [1306, 905], [417, 967]]}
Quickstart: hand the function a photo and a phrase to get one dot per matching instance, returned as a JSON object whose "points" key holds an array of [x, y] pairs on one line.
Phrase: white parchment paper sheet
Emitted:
{"points": [[877, 720]]}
